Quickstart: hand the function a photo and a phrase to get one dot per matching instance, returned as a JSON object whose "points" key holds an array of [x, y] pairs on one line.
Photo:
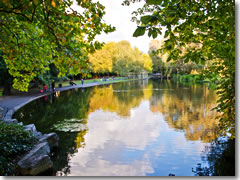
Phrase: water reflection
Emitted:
{"points": [[119, 98], [221, 158], [138, 128], [187, 108]]}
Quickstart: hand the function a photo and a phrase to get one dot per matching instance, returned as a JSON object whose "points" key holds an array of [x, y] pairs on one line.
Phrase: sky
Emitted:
{"points": [[120, 17]]}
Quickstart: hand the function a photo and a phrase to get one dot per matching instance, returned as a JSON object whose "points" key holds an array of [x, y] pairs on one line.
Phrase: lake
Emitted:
{"points": [[140, 128]]}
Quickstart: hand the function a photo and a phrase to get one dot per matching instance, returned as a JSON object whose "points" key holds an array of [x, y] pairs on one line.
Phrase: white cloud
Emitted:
{"points": [[109, 136], [120, 17]]}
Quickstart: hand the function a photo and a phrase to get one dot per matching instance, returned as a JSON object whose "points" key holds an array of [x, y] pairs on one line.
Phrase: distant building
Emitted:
{"points": [[142, 75]]}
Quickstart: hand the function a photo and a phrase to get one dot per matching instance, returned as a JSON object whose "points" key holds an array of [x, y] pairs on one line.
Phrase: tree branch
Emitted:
{"points": [[12, 12]]}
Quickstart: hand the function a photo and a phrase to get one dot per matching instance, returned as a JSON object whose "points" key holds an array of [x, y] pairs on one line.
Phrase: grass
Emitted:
{"points": [[1, 91], [66, 83], [87, 81]]}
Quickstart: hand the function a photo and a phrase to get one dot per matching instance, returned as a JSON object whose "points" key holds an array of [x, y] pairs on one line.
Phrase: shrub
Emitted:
{"points": [[14, 141]]}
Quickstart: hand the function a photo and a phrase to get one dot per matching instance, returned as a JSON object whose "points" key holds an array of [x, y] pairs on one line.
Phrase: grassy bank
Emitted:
{"points": [[195, 78], [116, 79], [190, 78], [66, 83]]}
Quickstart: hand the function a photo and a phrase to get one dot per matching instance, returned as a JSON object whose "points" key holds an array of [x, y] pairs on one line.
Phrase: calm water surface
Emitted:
{"points": [[139, 128]]}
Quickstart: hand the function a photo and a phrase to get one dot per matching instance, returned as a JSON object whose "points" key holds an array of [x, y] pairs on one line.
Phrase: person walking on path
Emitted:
{"points": [[53, 86], [45, 88], [82, 81]]}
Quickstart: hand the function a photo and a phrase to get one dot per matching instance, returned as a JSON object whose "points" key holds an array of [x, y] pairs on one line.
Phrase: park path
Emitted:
{"points": [[10, 104]]}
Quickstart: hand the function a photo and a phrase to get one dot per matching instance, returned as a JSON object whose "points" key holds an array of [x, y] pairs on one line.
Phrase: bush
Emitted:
{"points": [[14, 141], [188, 77]]}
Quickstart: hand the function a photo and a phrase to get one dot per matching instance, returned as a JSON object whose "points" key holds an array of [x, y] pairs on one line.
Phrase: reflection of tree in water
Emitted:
{"points": [[58, 111], [187, 108], [45, 113], [221, 159], [119, 98]]}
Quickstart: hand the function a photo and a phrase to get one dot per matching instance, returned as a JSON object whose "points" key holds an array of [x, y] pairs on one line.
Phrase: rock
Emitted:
{"points": [[9, 114], [36, 160], [21, 124], [1, 109], [1, 113], [31, 128], [39, 135], [10, 121], [51, 138], [36, 165], [41, 148]]}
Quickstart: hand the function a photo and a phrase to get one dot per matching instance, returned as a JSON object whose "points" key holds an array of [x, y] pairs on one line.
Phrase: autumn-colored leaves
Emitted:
{"points": [[53, 3]]}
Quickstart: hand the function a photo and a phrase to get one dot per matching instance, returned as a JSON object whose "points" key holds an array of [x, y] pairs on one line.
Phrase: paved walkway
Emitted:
{"points": [[13, 103]]}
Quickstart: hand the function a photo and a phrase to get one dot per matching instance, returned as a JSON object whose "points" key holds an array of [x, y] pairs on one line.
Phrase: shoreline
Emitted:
{"points": [[11, 104]]}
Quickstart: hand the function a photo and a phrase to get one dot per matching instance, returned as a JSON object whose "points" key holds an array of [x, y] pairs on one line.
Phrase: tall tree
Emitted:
{"points": [[147, 62], [210, 24], [158, 65], [37, 33], [101, 61]]}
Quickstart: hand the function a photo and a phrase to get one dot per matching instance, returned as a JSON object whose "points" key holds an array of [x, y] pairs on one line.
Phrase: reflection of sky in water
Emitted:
{"points": [[138, 145]]}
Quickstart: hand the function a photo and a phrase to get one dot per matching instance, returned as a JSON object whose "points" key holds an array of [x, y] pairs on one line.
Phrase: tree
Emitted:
{"points": [[4, 75], [209, 24], [119, 58], [126, 59], [158, 65], [101, 61], [37, 33], [147, 62]]}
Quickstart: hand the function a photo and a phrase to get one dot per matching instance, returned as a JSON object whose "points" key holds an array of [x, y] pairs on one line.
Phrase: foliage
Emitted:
{"points": [[3, 68], [189, 77], [161, 65], [119, 58], [206, 29], [14, 140], [35, 34], [101, 61], [147, 63]]}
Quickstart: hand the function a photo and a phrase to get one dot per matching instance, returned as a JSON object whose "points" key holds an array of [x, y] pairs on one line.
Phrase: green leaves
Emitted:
{"points": [[153, 2], [148, 19], [153, 33], [14, 140], [139, 31]]}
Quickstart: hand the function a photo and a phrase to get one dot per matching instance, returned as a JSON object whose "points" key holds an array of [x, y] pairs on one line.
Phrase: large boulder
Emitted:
{"points": [[36, 165], [51, 138], [36, 161]]}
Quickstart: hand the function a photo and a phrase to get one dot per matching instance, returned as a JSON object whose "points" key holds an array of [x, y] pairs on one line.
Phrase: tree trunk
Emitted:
{"points": [[7, 84]]}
